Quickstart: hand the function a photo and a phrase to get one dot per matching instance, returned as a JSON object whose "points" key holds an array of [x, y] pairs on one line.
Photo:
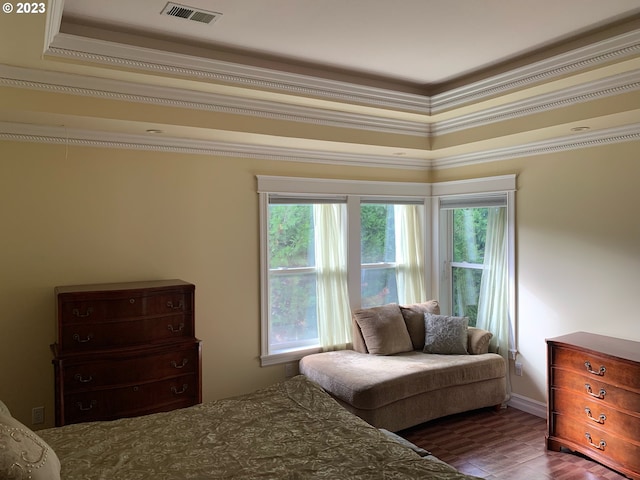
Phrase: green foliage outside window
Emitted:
{"points": [[469, 238]]}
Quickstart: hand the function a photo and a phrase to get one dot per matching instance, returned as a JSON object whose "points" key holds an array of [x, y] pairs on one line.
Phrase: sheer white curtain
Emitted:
{"points": [[410, 253], [493, 304], [334, 313]]}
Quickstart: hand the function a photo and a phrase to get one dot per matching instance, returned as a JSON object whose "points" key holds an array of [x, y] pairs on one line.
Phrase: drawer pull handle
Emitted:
{"points": [[179, 392], [599, 395], [174, 329], [76, 312], [86, 409], [600, 373], [599, 420], [174, 364], [77, 338], [599, 446], [81, 379], [180, 306]]}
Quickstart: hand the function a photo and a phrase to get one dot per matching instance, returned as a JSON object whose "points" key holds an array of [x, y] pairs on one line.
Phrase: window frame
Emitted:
{"points": [[445, 251], [357, 192]]}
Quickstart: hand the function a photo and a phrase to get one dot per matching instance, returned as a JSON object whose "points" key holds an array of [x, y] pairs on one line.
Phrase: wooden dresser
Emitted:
{"points": [[124, 350], [594, 399]]}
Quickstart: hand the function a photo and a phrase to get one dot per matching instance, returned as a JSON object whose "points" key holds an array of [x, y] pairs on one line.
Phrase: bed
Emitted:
{"points": [[290, 430]]}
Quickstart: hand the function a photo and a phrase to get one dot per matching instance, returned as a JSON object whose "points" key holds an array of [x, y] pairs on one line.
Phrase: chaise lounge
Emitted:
{"points": [[409, 364]]}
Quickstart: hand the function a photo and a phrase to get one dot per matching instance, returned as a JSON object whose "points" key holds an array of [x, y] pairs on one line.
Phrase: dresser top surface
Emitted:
{"points": [[615, 347], [104, 287]]}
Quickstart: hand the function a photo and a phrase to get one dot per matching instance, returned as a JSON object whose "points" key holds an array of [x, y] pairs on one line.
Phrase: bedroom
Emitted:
{"points": [[88, 212]]}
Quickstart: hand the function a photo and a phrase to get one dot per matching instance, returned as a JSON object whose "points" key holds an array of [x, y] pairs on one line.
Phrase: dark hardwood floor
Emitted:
{"points": [[500, 445]]}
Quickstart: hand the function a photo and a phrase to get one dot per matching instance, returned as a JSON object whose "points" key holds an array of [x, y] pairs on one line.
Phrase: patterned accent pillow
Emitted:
{"points": [[445, 335], [23, 454]]}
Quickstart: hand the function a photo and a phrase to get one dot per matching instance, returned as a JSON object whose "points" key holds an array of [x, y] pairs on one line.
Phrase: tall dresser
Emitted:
{"points": [[125, 349], [594, 399]]}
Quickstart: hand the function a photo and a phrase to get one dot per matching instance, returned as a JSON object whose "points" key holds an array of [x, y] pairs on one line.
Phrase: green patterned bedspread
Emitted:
{"points": [[291, 430]]}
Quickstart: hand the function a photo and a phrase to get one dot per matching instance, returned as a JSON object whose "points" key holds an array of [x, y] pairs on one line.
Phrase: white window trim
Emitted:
{"points": [[354, 190]]}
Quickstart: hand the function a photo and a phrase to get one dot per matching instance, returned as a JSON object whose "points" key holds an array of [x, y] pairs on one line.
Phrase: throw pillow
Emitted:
{"points": [[445, 335], [414, 318], [25, 454], [383, 330]]}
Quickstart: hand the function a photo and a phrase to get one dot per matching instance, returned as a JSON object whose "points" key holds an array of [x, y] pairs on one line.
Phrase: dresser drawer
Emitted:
{"points": [[135, 367], [91, 336], [608, 370], [132, 400], [589, 412], [131, 306], [592, 388], [597, 443]]}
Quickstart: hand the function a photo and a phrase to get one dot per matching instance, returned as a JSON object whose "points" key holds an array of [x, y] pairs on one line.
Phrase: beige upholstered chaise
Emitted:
{"points": [[389, 380]]}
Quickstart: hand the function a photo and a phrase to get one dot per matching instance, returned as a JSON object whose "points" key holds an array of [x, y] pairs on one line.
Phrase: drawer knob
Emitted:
{"points": [[593, 372], [82, 408], [599, 446], [599, 395], [81, 379], [174, 364], [599, 420], [170, 305], [177, 329], [179, 392], [76, 312], [77, 338]]}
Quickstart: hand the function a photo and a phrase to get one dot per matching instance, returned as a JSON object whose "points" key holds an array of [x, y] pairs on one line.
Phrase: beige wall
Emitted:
{"points": [[90, 215], [578, 248], [94, 215]]}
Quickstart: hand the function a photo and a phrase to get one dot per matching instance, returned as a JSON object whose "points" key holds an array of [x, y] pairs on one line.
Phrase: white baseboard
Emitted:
{"points": [[526, 404]]}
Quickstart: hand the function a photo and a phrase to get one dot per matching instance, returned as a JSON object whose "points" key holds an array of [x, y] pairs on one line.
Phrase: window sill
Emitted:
{"points": [[287, 356]]}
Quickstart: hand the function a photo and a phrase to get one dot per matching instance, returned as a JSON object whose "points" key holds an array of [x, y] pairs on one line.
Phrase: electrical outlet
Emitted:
{"points": [[37, 415], [519, 369]]}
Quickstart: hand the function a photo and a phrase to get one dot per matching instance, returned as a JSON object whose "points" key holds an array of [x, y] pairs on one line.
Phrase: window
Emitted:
{"points": [[326, 254], [476, 246], [292, 276], [392, 243], [468, 237], [331, 246]]}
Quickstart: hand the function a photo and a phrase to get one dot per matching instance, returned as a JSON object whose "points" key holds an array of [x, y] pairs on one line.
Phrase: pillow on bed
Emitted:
{"points": [[445, 335], [4, 410], [383, 330], [23, 454]]}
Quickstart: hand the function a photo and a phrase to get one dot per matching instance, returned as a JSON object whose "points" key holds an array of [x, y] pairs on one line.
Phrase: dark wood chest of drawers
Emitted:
{"points": [[594, 399], [125, 349]]}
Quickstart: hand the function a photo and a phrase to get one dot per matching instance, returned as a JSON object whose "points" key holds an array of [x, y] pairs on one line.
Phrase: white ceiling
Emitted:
{"points": [[422, 42]]}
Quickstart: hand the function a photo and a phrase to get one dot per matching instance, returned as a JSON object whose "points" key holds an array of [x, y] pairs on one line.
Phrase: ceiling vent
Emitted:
{"points": [[190, 13]]}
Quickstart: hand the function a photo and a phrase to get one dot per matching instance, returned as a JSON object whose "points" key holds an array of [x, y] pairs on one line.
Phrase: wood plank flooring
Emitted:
{"points": [[502, 445]]}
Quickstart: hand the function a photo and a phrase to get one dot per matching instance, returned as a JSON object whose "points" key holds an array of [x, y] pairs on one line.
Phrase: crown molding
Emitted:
{"points": [[72, 84], [596, 138], [20, 132], [614, 85], [85, 138], [121, 55], [212, 70], [591, 56]]}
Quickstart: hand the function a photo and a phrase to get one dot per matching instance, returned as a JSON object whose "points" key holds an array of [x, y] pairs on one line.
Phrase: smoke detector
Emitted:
{"points": [[189, 13]]}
